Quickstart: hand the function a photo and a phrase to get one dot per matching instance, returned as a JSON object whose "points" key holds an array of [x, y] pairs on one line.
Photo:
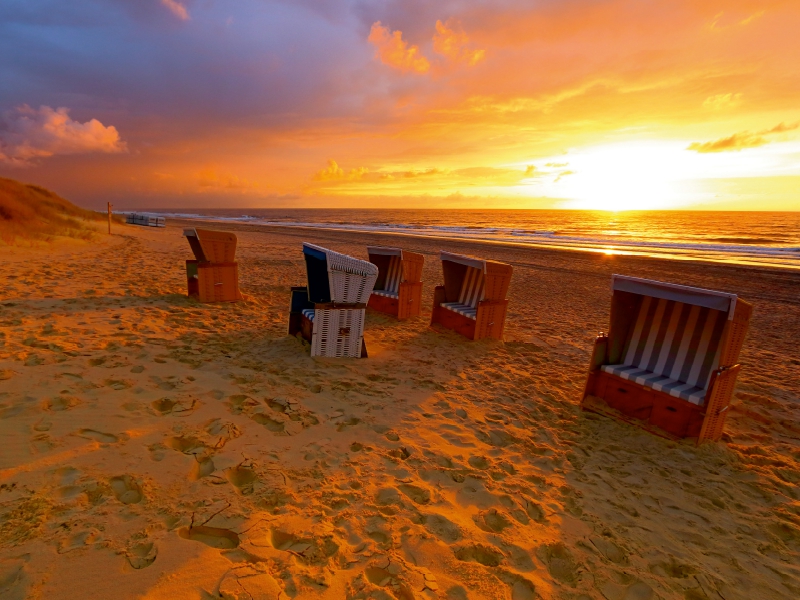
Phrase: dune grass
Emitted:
{"points": [[29, 213]]}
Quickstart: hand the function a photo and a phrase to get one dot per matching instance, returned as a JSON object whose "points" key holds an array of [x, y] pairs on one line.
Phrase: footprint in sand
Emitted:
{"points": [[310, 550], [442, 527], [560, 562], [98, 436], [168, 406], [14, 579], [59, 403], [215, 537], [492, 521], [243, 478], [77, 540], [202, 467], [478, 462], [42, 443], [142, 555], [126, 489], [186, 444], [268, 422], [348, 422], [479, 553], [609, 549], [157, 452], [417, 494]]}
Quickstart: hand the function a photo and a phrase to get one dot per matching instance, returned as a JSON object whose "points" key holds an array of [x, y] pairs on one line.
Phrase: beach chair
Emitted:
{"points": [[145, 220], [214, 275], [472, 300], [669, 361], [398, 289], [329, 312]]}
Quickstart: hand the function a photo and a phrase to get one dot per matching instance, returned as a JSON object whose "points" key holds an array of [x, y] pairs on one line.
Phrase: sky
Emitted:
{"points": [[596, 104]]}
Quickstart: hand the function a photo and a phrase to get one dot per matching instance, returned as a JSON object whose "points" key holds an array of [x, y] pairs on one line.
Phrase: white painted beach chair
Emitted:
{"points": [[472, 300], [145, 220], [329, 312], [669, 361], [399, 285]]}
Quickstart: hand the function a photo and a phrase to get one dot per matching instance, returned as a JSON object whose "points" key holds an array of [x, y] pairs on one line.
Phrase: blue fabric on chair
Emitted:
{"points": [[462, 309], [673, 347]]}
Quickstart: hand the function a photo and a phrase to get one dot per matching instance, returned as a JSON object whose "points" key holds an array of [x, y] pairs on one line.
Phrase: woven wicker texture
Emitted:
{"points": [[338, 332]]}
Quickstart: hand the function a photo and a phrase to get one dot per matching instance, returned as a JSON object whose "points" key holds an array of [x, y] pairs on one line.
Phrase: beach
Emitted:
{"points": [[155, 447]]}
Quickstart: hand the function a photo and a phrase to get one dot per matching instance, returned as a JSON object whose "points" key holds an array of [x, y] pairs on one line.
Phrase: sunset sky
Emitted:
{"points": [[390, 103]]}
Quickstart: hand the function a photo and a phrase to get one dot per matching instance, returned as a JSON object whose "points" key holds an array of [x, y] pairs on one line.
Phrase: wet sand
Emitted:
{"points": [[154, 447]]}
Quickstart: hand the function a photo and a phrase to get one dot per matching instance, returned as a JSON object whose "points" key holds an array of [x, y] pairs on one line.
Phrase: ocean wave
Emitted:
{"points": [[720, 246]]}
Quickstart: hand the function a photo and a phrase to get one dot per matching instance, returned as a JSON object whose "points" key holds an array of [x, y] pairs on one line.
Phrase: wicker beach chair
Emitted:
{"points": [[398, 289], [214, 275], [329, 312], [472, 300], [669, 361]]}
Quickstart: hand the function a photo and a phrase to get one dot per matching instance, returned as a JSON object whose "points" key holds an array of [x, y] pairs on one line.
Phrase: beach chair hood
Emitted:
{"points": [[211, 246], [336, 277], [720, 301]]}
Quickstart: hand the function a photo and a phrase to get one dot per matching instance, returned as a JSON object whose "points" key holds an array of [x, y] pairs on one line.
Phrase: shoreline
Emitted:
{"points": [[639, 251], [313, 231]]}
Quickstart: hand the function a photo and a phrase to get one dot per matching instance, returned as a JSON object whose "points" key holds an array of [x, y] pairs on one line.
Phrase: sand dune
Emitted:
{"points": [[154, 447]]}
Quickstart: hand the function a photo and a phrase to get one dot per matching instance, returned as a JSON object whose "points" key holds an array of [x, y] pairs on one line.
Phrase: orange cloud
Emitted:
{"points": [[177, 9], [395, 52], [31, 134], [210, 179], [742, 140], [333, 172], [453, 44], [721, 101]]}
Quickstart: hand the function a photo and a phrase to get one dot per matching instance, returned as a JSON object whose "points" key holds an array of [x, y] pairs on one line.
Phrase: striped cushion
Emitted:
{"points": [[393, 275], [308, 313], [661, 383], [391, 286], [676, 342], [472, 288], [462, 309]]}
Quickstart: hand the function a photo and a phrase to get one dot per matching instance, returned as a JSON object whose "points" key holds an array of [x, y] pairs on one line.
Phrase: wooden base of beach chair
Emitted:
{"points": [[675, 416], [213, 282], [659, 412], [408, 303], [601, 407], [489, 322]]}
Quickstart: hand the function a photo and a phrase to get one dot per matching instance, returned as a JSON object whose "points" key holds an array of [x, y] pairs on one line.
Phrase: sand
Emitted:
{"points": [[153, 447]]}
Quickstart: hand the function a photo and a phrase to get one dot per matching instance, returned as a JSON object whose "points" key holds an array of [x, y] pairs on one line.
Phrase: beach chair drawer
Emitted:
{"points": [[627, 397], [674, 415]]}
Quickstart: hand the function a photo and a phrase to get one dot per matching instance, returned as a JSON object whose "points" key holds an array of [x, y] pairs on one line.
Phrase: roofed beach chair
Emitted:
{"points": [[398, 289], [214, 275], [145, 220], [472, 300], [329, 312], [669, 361]]}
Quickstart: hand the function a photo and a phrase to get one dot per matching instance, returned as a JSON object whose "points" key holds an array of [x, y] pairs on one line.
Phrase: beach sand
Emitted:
{"points": [[154, 447]]}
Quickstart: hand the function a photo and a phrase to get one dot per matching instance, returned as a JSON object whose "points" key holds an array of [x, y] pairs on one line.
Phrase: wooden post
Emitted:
{"points": [[109, 218]]}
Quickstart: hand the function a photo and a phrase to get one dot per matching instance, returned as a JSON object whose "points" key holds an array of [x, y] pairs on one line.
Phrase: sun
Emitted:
{"points": [[624, 176]]}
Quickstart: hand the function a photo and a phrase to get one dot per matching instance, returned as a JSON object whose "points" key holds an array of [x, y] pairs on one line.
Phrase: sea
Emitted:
{"points": [[767, 239]]}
